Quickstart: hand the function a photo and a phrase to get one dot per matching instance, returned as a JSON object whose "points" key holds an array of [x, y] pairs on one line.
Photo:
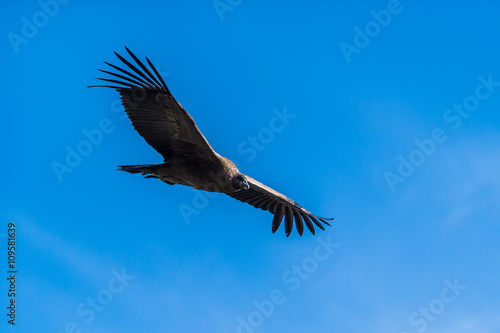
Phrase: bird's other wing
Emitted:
{"points": [[264, 197], [156, 115]]}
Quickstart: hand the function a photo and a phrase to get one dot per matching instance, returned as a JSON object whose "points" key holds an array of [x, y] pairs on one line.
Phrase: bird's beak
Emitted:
{"points": [[246, 186]]}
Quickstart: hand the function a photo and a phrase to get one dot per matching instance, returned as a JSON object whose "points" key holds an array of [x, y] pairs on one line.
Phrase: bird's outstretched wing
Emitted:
{"points": [[264, 197], [156, 115]]}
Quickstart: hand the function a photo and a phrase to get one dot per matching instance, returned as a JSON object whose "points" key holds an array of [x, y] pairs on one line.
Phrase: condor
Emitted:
{"points": [[188, 157]]}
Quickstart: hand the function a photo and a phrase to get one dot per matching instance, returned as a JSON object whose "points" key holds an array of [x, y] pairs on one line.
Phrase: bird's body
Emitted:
{"points": [[188, 157], [212, 178]]}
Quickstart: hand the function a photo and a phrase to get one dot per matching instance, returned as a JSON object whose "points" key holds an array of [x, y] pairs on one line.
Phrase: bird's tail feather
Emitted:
{"points": [[142, 168]]}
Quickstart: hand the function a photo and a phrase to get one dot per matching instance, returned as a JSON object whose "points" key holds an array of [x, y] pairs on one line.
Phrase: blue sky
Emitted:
{"points": [[393, 130]]}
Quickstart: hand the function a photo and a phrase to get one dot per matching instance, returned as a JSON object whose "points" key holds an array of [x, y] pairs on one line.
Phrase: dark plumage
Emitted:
{"points": [[188, 158]]}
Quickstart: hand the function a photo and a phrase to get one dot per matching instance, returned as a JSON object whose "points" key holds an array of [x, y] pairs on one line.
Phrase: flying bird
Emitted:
{"points": [[188, 157]]}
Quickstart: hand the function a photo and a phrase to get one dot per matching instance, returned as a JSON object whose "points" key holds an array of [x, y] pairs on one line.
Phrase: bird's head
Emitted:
{"points": [[240, 182]]}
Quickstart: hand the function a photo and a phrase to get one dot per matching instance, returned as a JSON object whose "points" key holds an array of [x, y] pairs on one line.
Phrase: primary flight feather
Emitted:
{"points": [[188, 157]]}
